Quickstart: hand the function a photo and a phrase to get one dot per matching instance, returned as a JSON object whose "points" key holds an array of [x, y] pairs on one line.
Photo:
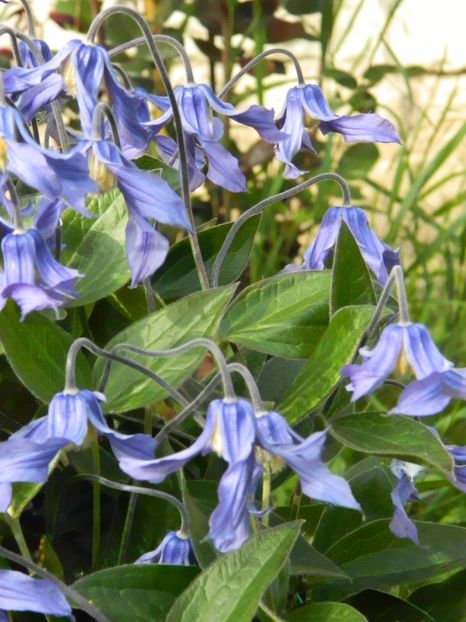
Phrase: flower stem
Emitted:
{"points": [[96, 504], [253, 390], [402, 297], [17, 218], [18, 535], [125, 534], [259, 207], [266, 491]]}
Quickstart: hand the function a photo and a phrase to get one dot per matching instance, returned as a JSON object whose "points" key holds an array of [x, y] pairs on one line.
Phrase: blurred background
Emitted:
{"points": [[402, 58]]}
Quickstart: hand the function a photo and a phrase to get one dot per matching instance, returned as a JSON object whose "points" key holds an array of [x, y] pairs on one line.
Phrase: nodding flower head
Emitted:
{"points": [[175, 549], [404, 492]]}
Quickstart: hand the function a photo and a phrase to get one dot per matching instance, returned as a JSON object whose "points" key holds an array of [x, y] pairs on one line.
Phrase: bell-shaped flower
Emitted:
{"points": [[379, 257], [304, 457], [175, 549], [404, 492], [432, 394], [19, 592], [197, 102], [147, 197], [399, 345], [458, 453], [309, 100], [79, 69], [31, 276], [53, 174], [230, 432]]}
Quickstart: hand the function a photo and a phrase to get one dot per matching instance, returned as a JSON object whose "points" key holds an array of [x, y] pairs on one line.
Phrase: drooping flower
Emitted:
{"points": [[378, 255], [31, 276], [230, 432], [175, 549], [309, 99], [19, 592], [404, 492], [78, 69], [458, 453], [398, 344], [304, 457], [147, 197], [196, 103], [432, 394]]}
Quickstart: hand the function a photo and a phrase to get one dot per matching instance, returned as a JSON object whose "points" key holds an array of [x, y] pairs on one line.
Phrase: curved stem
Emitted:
{"points": [[259, 207], [101, 112], [96, 504], [184, 171], [140, 490], [162, 39], [397, 271], [18, 535], [30, 18], [200, 342], [17, 218], [11, 32], [257, 59], [251, 385], [123, 75], [72, 594]]}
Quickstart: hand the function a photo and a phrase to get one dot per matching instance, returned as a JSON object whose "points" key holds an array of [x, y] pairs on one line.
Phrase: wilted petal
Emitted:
{"points": [[362, 128], [146, 249], [18, 592]]}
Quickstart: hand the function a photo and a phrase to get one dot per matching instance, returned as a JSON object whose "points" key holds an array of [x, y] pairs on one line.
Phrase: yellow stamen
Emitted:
{"points": [[69, 77], [3, 154], [402, 365], [217, 440], [99, 172], [274, 463]]}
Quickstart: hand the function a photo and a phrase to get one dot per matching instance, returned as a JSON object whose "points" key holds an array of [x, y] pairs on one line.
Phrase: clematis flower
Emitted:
{"points": [[78, 69], [147, 197], [175, 549], [197, 103], [28, 59], [303, 456], [229, 431], [31, 276], [458, 454], [19, 592], [398, 344], [378, 255], [309, 99], [404, 492], [432, 394]]}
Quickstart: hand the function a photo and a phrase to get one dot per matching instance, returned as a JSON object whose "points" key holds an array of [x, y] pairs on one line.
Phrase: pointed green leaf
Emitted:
{"points": [[231, 588], [196, 315], [380, 607], [36, 350], [326, 612], [445, 601], [284, 316]]}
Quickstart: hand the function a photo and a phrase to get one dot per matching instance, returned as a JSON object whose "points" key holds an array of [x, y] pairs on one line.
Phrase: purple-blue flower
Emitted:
{"points": [[309, 100], [377, 254], [304, 457], [404, 492], [432, 394], [458, 453], [230, 432], [31, 276], [398, 345], [147, 197], [79, 69], [196, 103], [18, 592], [175, 549]]}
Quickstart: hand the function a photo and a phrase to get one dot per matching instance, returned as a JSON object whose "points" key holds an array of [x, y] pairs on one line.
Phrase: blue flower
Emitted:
{"points": [[458, 453], [18, 592], [398, 345], [175, 549], [377, 254], [196, 103], [28, 59], [309, 99], [230, 432], [31, 276], [304, 457], [147, 197], [432, 394], [404, 492]]}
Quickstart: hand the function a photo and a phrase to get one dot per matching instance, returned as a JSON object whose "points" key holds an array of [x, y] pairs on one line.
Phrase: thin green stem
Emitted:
{"points": [[96, 504], [126, 533], [17, 218], [18, 535], [266, 491]]}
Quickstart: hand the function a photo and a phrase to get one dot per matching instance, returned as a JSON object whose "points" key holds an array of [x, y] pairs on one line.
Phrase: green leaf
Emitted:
{"points": [[392, 435], [284, 315], [301, 7], [326, 612], [178, 277], [373, 557], [445, 601], [200, 499], [358, 160], [322, 371], [305, 560], [194, 316], [276, 376], [136, 593], [231, 588], [97, 247], [36, 350], [351, 281], [381, 607], [342, 77]]}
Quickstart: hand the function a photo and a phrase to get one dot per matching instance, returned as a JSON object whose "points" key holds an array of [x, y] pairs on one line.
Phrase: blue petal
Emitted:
{"points": [[40, 97], [233, 428], [292, 124], [22, 460], [88, 64], [31, 165], [52, 273], [6, 496], [404, 492], [68, 417], [168, 152], [378, 363], [421, 352], [314, 103], [175, 549], [18, 258], [146, 249], [223, 167], [47, 217], [423, 397], [32, 298], [320, 249], [18, 592], [195, 113], [367, 128]]}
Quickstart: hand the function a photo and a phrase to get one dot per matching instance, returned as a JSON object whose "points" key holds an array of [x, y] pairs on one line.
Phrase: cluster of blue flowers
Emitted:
{"points": [[247, 437]]}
